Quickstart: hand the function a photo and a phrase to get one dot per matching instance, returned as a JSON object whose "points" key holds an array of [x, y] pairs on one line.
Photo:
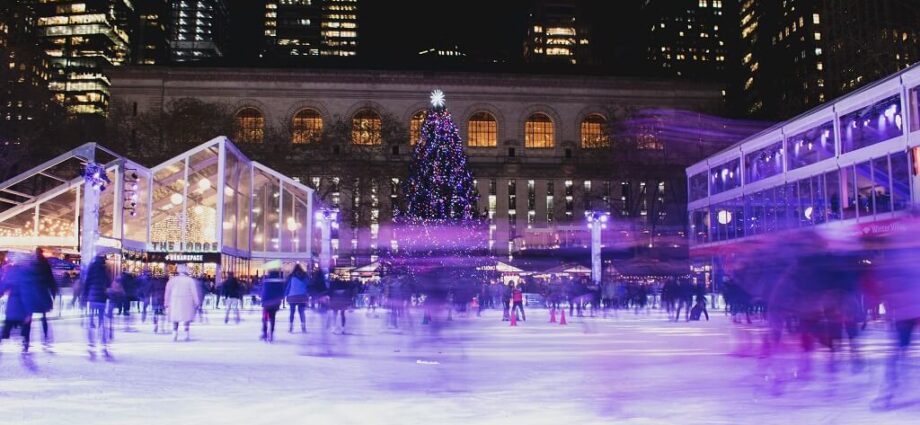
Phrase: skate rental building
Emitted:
{"points": [[852, 164], [210, 208]]}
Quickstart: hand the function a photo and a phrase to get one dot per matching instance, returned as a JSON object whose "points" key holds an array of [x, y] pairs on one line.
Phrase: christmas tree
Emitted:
{"points": [[439, 189]]}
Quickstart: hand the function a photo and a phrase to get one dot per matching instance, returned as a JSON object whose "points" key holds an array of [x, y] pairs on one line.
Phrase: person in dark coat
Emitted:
{"points": [[96, 287], [44, 289], [19, 300], [232, 292], [297, 295], [272, 294]]}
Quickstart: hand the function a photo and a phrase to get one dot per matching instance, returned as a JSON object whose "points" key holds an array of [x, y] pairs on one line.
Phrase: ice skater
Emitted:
{"points": [[272, 295], [15, 284], [232, 291], [95, 290], [297, 295], [182, 300]]}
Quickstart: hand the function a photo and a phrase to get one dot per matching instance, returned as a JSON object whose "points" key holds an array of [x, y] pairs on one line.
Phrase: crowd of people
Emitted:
{"points": [[814, 290]]}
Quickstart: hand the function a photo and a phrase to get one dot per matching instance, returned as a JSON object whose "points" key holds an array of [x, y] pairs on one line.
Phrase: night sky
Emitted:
{"points": [[391, 33]]}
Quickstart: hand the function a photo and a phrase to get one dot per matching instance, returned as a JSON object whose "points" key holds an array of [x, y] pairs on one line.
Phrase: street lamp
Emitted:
{"points": [[327, 218], [597, 221]]}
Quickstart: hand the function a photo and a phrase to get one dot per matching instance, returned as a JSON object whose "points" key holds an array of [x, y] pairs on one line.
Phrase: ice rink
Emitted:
{"points": [[632, 369]]}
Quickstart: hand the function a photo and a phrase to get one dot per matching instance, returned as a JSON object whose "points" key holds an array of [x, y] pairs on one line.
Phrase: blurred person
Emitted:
{"points": [[340, 299], [232, 291], [517, 301], [158, 302], [374, 292], [506, 301], [45, 289], [19, 303], [296, 292], [898, 286], [699, 309], [183, 299], [272, 294], [95, 292]]}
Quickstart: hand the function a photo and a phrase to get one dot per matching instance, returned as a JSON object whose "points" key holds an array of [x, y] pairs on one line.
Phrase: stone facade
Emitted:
{"points": [[552, 187]]}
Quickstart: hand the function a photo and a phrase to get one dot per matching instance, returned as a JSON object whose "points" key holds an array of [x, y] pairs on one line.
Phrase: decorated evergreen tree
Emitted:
{"points": [[439, 189]]}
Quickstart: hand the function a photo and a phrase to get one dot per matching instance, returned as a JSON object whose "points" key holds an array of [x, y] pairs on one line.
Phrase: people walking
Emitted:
{"points": [[95, 291], [297, 296], [232, 291], [182, 300], [272, 295]]}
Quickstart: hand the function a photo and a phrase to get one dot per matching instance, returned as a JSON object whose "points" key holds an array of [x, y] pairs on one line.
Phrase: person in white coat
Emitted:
{"points": [[182, 300]]}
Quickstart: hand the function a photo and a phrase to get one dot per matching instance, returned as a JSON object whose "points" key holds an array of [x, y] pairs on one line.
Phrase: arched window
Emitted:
{"points": [[482, 131], [250, 126], [415, 127], [539, 132], [593, 132], [306, 127], [365, 128]]}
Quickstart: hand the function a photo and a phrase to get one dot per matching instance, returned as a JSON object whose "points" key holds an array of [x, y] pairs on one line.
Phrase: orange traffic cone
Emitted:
{"points": [[513, 318], [562, 318], [552, 315]]}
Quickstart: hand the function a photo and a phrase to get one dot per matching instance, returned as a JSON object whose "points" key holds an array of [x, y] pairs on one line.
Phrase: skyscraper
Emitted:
{"points": [[869, 40], [556, 32], [292, 27], [23, 69], [311, 28], [797, 54], [340, 28], [689, 38], [150, 43], [82, 39], [198, 30]]}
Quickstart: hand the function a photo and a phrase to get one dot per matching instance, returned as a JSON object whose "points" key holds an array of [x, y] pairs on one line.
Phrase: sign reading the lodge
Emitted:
{"points": [[173, 246]]}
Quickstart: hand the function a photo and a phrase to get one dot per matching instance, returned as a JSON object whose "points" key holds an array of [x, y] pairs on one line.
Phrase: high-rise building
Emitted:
{"points": [[340, 28], [82, 39], [798, 54], [23, 69], [198, 30], [556, 32], [689, 38], [292, 27], [150, 43], [869, 39], [783, 70], [311, 28]]}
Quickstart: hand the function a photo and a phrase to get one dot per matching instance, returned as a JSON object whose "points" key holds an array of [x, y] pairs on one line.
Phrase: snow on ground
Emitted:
{"points": [[625, 370]]}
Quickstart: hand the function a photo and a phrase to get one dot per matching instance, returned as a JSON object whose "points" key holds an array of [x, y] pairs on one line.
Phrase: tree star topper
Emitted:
{"points": [[437, 99]]}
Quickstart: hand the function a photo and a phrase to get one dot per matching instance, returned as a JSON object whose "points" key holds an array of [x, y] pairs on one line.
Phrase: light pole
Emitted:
{"points": [[597, 221], [326, 217]]}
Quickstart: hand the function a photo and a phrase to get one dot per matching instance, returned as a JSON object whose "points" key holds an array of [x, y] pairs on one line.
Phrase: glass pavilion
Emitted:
{"points": [[210, 207]]}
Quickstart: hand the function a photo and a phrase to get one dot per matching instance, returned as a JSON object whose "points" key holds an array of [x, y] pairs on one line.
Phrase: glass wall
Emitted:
{"points": [[870, 125], [201, 196], [698, 186], [810, 146], [864, 190], [266, 212], [725, 177], [763, 163]]}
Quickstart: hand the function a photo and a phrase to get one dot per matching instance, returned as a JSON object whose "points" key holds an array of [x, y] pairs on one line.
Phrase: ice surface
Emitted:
{"points": [[626, 370]]}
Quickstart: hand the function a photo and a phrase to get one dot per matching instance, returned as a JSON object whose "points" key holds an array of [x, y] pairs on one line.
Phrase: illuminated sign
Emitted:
{"points": [[173, 246]]}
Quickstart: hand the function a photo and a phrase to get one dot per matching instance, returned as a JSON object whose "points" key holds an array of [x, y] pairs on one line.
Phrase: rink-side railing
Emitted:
{"points": [[66, 307]]}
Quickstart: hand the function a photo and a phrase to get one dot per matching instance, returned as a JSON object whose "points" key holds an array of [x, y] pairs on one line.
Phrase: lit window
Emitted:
{"points": [[415, 127], [365, 128], [307, 127], [592, 132], [818, 36], [816, 18], [482, 131], [250, 126], [539, 132]]}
